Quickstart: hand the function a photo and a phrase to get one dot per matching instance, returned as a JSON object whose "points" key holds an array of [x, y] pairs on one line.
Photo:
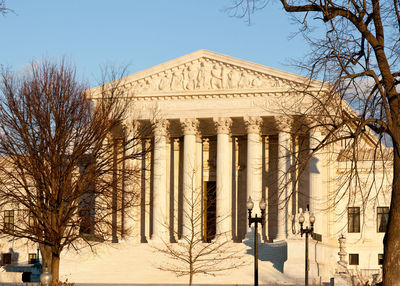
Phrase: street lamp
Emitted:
{"points": [[307, 230], [256, 220], [46, 278]]}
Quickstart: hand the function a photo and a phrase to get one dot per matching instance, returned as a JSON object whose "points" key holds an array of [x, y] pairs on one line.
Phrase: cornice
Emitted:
{"points": [[208, 95]]}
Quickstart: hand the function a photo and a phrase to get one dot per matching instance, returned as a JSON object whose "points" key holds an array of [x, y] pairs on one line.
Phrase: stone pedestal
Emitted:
{"points": [[295, 263]]}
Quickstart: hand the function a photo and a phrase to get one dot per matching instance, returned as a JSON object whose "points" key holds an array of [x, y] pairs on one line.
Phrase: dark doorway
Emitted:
{"points": [[210, 219]]}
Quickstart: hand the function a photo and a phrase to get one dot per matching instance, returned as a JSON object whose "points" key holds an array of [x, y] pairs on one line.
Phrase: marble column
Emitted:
{"points": [[315, 179], [224, 178], [133, 174], [190, 194], [284, 183], [160, 227], [254, 161]]}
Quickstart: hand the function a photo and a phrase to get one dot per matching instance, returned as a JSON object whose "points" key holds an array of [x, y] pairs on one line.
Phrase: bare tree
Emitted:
{"points": [[62, 160], [197, 252], [3, 8], [358, 53]]}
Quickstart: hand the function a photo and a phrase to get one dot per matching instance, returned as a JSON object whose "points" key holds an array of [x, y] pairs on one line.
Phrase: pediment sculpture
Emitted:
{"points": [[206, 74]]}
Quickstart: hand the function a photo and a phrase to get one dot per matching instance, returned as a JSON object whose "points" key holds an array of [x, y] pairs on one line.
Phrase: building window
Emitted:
{"points": [[353, 259], [353, 214], [86, 207], [5, 258], [32, 258], [380, 259], [8, 221], [31, 220], [382, 218]]}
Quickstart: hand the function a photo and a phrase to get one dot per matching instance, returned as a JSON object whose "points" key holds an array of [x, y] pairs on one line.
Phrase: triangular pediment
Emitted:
{"points": [[208, 72]]}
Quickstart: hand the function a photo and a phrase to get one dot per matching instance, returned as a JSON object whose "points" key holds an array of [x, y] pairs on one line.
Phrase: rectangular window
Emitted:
{"points": [[5, 258], [353, 215], [382, 217], [86, 205], [380, 259], [31, 220], [353, 259], [32, 258], [8, 221]]}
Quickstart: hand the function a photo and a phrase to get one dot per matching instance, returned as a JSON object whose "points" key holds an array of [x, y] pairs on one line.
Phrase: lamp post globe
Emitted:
{"points": [[312, 218], [301, 218], [249, 204], [46, 278], [263, 204]]}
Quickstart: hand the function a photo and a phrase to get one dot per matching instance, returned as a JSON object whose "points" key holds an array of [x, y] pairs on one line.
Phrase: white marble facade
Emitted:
{"points": [[218, 124]]}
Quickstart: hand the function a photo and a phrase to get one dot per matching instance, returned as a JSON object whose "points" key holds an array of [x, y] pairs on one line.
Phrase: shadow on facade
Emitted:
{"points": [[276, 252]]}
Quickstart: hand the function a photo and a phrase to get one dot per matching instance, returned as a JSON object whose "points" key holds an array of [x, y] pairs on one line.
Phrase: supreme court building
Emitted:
{"points": [[223, 129]]}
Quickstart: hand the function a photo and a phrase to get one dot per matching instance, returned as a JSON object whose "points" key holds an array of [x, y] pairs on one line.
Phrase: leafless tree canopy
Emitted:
{"points": [[61, 164], [3, 8], [354, 45]]}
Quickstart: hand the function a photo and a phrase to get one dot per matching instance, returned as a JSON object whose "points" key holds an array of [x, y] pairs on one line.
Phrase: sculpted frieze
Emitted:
{"points": [[206, 74]]}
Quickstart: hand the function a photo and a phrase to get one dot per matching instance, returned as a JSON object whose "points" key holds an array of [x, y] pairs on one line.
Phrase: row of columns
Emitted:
{"points": [[192, 173]]}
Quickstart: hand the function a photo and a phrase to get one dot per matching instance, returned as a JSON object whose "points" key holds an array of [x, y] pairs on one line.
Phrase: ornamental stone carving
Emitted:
{"points": [[284, 123], [253, 124], [206, 74], [189, 126], [161, 127], [223, 125]]}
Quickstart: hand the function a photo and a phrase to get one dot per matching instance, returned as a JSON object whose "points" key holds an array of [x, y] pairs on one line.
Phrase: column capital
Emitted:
{"points": [[284, 123], [253, 124], [161, 127], [131, 128], [189, 126], [223, 124]]}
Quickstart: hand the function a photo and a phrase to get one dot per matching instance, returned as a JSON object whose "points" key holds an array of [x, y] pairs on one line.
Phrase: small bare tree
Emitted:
{"points": [[62, 160], [194, 253]]}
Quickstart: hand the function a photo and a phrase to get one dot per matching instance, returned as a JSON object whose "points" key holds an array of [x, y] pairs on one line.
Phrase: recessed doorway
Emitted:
{"points": [[209, 211]]}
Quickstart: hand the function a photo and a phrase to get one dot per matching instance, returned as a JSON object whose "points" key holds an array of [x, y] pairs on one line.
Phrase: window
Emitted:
{"points": [[353, 259], [382, 217], [380, 259], [32, 258], [8, 221], [86, 207], [353, 215], [5, 258], [31, 220]]}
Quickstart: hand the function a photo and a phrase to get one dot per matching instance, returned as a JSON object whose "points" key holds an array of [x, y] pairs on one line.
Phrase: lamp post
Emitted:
{"points": [[307, 230], [256, 220]]}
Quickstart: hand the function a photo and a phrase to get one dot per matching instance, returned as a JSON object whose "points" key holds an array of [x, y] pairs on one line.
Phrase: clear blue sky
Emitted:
{"points": [[142, 33]]}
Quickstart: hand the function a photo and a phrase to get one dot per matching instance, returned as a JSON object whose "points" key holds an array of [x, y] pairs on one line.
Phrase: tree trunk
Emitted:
{"points": [[190, 275], [391, 266], [55, 268], [52, 261], [45, 251]]}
